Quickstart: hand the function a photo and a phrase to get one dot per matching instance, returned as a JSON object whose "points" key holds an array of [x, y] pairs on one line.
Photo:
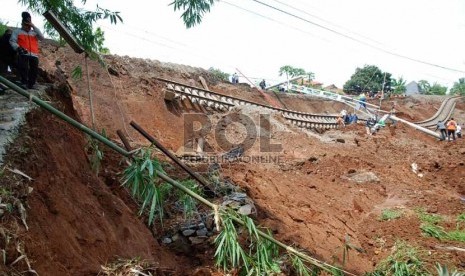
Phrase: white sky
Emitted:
{"points": [[258, 40]]}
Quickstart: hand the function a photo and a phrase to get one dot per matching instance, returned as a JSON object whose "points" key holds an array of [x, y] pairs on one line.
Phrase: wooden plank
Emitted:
{"points": [[169, 95], [204, 83]]}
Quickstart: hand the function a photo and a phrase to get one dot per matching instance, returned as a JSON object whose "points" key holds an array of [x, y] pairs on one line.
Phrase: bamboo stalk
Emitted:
{"points": [[90, 93], [154, 141], [64, 117]]}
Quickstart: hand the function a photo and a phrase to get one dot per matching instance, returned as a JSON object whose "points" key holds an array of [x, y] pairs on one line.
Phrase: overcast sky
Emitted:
{"points": [[330, 38]]}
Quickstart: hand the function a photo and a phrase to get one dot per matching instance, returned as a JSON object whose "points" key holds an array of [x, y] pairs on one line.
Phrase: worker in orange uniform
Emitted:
{"points": [[451, 127], [25, 42]]}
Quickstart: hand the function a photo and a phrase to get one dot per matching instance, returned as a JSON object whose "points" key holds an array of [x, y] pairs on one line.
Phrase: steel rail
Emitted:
{"points": [[443, 114], [222, 102]]}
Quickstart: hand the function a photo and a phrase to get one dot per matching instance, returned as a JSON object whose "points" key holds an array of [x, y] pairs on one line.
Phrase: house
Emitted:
{"points": [[412, 88], [333, 88], [312, 83]]}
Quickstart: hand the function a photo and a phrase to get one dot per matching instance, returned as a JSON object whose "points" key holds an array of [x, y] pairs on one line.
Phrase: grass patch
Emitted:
{"points": [[456, 235], [434, 231], [390, 214], [460, 220], [444, 271], [430, 227], [405, 260], [429, 218]]}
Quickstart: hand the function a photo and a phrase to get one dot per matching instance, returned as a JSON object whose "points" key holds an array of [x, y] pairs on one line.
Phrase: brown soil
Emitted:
{"points": [[78, 221]]}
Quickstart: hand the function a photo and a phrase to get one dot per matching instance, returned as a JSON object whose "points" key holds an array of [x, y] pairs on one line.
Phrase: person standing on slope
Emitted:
{"points": [[451, 127], [25, 42], [458, 131], [442, 128]]}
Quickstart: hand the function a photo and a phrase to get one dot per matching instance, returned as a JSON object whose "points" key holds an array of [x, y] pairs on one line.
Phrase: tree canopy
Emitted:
{"points": [[398, 86], [366, 79], [78, 21], [424, 86], [193, 10], [434, 89], [458, 87], [291, 71]]}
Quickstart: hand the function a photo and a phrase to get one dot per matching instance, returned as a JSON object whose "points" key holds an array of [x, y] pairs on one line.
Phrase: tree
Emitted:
{"points": [[294, 72], [428, 89], [437, 89], [193, 10], [311, 76], [398, 86], [78, 21], [366, 79], [424, 86], [3, 27], [458, 87], [219, 74], [99, 41]]}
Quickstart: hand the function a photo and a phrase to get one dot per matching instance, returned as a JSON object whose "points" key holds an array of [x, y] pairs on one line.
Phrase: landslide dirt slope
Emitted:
{"points": [[309, 198], [77, 221]]}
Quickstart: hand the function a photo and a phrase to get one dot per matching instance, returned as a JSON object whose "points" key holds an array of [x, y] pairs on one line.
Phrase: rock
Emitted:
{"points": [[245, 210], [202, 232], [210, 222], [238, 196], [197, 240], [462, 151], [340, 140], [175, 237], [233, 204], [167, 240], [362, 177], [188, 232]]}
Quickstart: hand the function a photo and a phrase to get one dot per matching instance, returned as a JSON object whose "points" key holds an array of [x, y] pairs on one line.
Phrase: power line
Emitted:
{"points": [[326, 21], [274, 20], [357, 40]]}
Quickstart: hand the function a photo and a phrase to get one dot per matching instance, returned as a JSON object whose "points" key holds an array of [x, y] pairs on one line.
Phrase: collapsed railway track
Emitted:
{"points": [[222, 103], [443, 114]]}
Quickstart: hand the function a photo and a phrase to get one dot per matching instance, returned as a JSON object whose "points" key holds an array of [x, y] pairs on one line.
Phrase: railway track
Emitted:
{"points": [[219, 102], [444, 113]]}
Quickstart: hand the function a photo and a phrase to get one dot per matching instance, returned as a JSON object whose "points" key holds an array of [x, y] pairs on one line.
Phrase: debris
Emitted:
{"points": [[20, 173], [245, 210], [414, 168], [234, 153], [362, 177]]}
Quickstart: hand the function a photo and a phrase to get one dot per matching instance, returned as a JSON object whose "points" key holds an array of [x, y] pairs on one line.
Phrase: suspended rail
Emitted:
{"points": [[220, 102], [443, 114]]}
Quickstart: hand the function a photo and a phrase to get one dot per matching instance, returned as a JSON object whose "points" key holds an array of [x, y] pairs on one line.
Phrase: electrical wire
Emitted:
{"points": [[357, 40]]}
